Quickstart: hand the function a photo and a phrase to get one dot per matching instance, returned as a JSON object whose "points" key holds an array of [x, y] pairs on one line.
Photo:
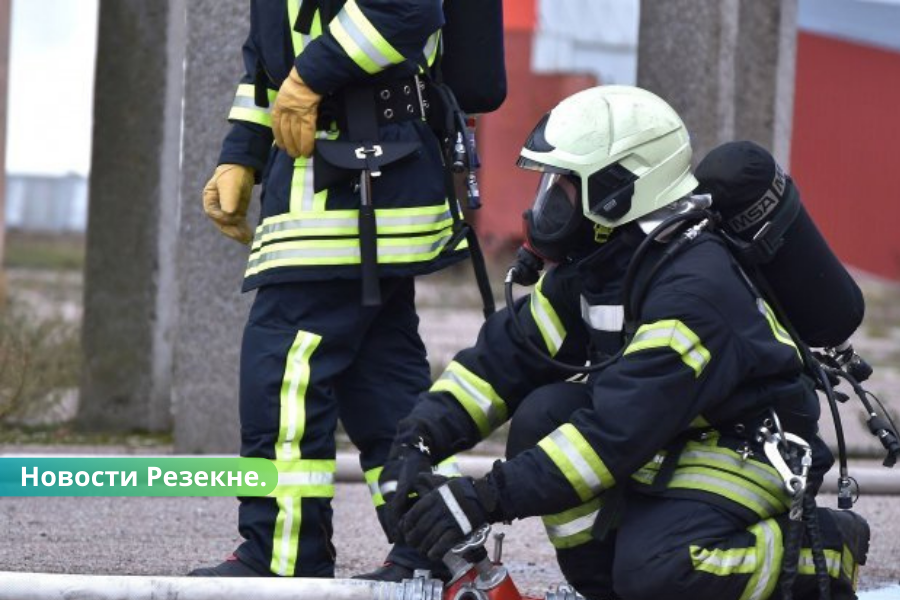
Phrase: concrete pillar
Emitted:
{"points": [[727, 66], [210, 267], [130, 282], [4, 86]]}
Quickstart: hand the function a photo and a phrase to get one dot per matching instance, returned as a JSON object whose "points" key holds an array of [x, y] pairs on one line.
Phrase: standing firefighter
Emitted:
{"points": [[355, 203], [665, 472]]}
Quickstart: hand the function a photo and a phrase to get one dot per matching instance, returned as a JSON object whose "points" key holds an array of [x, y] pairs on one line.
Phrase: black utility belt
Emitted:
{"points": [[395, 101], [401, 100]]}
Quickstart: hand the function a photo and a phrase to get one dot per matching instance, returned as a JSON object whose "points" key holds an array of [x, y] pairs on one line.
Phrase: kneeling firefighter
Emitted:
{"points": [[676, 467], [357, 200]]}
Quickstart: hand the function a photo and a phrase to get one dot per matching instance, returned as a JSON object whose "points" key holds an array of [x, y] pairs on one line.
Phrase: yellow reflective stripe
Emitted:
{"points": [[724, 562], [302, 185], [573, 527], [297, 41], [346, 252], [728, 460], [292, 424], [477, 396], [736, 489], [372, 476], [244, 107], [833, 560], [431, 48], [673, 334], [303, 197], [287, 535], [361, 41], [777, 328], [322, 223], [648, 472], [699, 422], [769, 551], [546, 319], [307, 478], [577, 461], [849, 566], [293, 396], [447, 468]]}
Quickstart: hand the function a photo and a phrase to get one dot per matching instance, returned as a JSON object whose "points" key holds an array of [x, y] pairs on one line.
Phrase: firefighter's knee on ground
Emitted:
{"points": [[646, 577], [588, 569]]}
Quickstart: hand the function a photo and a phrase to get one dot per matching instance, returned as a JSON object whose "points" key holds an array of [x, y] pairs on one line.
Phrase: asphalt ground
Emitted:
{"points": [[170, 536]]}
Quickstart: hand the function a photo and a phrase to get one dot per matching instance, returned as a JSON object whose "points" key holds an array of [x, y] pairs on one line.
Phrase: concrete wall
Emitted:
{"points": [[210, 267], [132, 217], [727, 66], [163, 311], [4, 84]]}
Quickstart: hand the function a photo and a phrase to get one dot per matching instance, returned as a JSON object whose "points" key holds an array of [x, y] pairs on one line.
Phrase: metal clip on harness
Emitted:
{"points": [[773, 445], [791, 456]]}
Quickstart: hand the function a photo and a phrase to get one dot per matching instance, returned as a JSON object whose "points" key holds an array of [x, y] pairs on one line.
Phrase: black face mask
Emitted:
{"points": [[556, 227]]}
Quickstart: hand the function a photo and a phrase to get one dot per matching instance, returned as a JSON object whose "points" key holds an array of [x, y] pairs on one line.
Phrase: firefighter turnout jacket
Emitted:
{"points": [[673, 416], [310, 233]]}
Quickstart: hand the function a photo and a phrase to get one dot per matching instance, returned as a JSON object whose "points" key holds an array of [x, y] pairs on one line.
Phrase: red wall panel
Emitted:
{"points": [[845, 145], [505, 189], [519, 15]]}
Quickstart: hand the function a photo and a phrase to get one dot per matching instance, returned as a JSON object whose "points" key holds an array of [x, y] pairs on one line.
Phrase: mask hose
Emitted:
{"points": [[524, 270]]}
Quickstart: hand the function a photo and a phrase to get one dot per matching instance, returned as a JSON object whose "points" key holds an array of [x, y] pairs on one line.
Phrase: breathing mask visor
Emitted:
{"points": [[555, 225]]}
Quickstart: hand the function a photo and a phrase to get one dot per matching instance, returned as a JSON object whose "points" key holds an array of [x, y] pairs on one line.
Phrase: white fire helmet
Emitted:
{"points": [[620, 151]]}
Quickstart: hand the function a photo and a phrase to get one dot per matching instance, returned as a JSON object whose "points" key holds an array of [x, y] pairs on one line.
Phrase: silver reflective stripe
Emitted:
{"points": [[736, 491], [361, 41], [447, 469], [573, 527], [455, 509], [603, 317], [245, 102], [303, 196], [384, 220], [832, 560], [744, 560], [755, 471], [431, 47], [345, 252], [374, 490], [578, 461], [768, 569], [388, 487], [687, 345], [493, 416], [306, 478]]}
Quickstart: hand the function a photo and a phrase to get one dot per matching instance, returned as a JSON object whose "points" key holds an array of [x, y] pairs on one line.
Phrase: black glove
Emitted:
{"points": [[444, 516], [409, 456]]}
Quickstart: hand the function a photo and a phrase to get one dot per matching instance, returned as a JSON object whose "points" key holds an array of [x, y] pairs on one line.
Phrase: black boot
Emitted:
{"points": [[389, 571], [855, 532], [392, 571], [232, 567]]}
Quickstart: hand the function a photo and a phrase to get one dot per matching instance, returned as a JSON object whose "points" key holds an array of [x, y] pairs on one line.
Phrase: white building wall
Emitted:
{"points": [[46, 203], [598, 37]]}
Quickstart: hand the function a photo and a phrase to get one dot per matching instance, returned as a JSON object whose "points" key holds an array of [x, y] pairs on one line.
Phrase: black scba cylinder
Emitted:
{"points": [[761, 210], [473, 62]]}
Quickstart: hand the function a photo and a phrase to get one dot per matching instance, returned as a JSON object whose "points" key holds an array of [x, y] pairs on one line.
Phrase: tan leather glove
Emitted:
{"points": [[225, 200], [294, 116]]}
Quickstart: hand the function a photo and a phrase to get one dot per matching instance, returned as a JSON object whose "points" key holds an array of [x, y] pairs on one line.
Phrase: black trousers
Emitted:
{"points": [[672, 548], [311, 355]]}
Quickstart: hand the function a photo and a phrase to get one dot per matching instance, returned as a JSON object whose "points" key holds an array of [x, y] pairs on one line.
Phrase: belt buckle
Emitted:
{"points": [[423, 104]]}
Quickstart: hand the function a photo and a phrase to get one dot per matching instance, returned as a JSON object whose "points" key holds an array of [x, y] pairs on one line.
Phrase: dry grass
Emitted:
{"points": [[40, 360]]}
